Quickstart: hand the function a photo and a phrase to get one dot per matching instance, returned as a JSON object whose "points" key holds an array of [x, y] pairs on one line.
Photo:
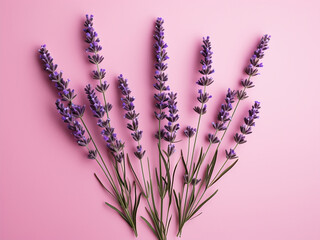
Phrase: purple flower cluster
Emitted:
{"points": [[128, 105], [115, 146], [245, 129], [205, 80], [93, 56], [189, 132], [61, 85], [223, 116], [160, 75], [172, 127], [95, 105], [249, 122], [206, 63], [72, 112], [252, 69]]}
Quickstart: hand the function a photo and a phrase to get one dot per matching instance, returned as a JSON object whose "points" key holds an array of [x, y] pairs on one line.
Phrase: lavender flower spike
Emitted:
{"points": [[189, 132], [72, 112], [61, 85], [224, 113], [160, 75], [255, 63], [128, 105], [114, 145], [205, 80], [171, 127], [206, 63], [249, 122], [94, 58]]}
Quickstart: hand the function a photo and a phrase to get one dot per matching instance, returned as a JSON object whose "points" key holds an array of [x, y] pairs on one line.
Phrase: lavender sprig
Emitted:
{"points": [[128, 105], [161, 77], [191, 171], [129, 208], [206, 79], [60, 84], [71, 112], [94, 57], [222, 119], [114, 145], [172, 127], [239, 138], [251, 70]]}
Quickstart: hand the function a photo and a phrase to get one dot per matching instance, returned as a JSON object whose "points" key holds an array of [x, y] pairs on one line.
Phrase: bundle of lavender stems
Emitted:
{"points": [[199, 174]]}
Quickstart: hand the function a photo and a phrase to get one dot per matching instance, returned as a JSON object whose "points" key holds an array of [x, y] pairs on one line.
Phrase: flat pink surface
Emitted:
{"points": [[47, 186]]}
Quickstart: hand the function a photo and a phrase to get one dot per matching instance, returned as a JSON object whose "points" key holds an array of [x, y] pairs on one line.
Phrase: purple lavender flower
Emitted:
{"points": [[249, 122], [206, 63], [189, 132], [223, 116], [61, 85], [252, 69], [92, 154], [171, 127], [160, 75], [94, 58], [231, 154], [205, 80], [95, 105], [113, 144], [128, 105], [213, 138], [71, 112]]}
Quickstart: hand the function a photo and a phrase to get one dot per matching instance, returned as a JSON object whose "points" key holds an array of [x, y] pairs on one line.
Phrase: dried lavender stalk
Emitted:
{"points": [[191, 171], [115, 145], [72, 112], [251, 70], [161, 98], [132, 115], [128, 105], [172, 127], [95, 58], [239, 138]]}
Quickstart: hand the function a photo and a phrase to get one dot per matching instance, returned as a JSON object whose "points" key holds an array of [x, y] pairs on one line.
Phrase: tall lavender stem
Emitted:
{"points": [[94, 48], [161, 97], [72, 111], [203, 98], [251, 70]]}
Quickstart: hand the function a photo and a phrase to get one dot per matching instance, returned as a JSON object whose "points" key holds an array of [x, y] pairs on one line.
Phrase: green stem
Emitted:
{"points": [[194, 146], [111, 180], [85, 126]]}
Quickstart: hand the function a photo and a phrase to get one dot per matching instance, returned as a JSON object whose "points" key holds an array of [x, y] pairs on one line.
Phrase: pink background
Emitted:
{"points": [[47, 186]]}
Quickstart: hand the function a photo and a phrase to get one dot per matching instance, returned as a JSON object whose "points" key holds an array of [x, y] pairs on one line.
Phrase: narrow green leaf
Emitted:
{"points": [[104, 186], [214, 159], [224, 172], [167, 228], [119, 212], [135, 176], [204, 202], [156, 222], [211, 167], [200, 160], [149, 225], [184, 163]]}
